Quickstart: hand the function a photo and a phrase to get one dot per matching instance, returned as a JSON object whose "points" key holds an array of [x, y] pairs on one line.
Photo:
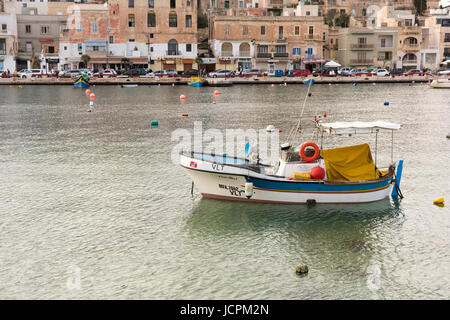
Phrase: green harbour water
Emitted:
{"points": [[92, 207]]}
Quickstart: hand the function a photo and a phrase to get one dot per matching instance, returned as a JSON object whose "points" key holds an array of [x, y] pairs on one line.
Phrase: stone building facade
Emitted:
{"points": [[8, 42], [267, 43]]}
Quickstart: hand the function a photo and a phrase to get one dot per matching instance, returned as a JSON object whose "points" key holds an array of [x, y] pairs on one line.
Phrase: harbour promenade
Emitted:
{"points": [[222, 81]]}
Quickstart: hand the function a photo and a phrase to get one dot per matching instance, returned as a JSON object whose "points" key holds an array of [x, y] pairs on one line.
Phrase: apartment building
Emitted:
{"points": [[165, 29], [8, 42], [357, 47], [267, 43], [439, 24]]}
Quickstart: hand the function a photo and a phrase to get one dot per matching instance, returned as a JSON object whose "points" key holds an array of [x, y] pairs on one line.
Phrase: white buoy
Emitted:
{"points": [[249, 189], [270, 128]]}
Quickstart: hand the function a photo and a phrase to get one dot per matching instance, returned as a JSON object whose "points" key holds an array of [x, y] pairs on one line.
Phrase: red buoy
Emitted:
{"points": [[317, 173], [92, 96], [182, 97], [88, 92], [184, 115], [279, 130], [325, 114]]}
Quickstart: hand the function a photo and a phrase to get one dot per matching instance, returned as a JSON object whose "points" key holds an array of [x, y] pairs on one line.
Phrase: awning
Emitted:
{"points": [[209, 60], [95, 43], [332, 64], [21, 58], [358, 127]]}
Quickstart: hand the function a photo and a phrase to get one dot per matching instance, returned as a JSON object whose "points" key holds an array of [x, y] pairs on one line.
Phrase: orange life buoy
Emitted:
{"points": [[316, 151]]}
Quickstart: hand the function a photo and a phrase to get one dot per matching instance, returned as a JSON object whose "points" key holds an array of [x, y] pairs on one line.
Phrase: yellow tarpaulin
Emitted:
{"points": [[349, 163]]}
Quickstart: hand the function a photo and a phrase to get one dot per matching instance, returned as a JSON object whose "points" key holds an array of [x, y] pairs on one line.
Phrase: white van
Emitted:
{"points": [[29, 73]]}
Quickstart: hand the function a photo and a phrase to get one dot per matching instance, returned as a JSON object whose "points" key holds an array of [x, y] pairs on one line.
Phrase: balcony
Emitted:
{"points": [[264, 55], [410, 47], [281, 39], [280, 55], [361, 61], [362, 46], [244, 54], [313, 37], [409, 62], [410, 31], [173, 53]]}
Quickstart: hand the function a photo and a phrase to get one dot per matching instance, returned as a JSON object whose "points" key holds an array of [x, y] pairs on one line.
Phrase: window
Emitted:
{"points": [[280, 49], [241, 4], [51, 49], [297, 30], [28, 28], [3, 46], [151, 3], [280, 32], [213, 3], [383, 43], [188, 3], [263, 49], [94, 27], [45, 29], [173, 19], [111, 39], [296, 51], [323, 36], [173, 4], [408, 22], [188, 47], [80, 47], [131, 20], [311, 30], [447, 37], [263, 30], [4, 27], [151, 19], [308, 13], [227, 30], [362, 56], [362, 40], [79, 27], [245, 30], [364, 12], [227, 4], [130, 3], [188, 21]]}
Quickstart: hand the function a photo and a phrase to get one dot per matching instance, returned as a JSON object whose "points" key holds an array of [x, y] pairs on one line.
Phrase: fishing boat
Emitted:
{"points": [[196, 82], [129, 85], [304, 175], [81, 82], [440, 83]]}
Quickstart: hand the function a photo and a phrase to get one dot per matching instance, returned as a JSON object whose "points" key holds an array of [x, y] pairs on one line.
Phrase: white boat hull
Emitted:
{"points": [[220, 181], [440, 84]]}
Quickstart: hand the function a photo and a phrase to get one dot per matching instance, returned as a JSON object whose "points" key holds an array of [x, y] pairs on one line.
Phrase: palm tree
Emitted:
{"points": [[199, 62], [85, 59]]}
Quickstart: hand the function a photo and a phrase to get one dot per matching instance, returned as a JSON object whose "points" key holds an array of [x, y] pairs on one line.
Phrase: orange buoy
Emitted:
{"points": [[317, 173], [92, 96], [314, 156], [279, 130], [184, 115], [214, 102], [88, 92], [182, 97], [325, 114], [216, 93]]}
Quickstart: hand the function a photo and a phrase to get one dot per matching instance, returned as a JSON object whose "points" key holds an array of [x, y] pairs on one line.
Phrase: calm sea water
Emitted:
{"points": [[92, 207]]}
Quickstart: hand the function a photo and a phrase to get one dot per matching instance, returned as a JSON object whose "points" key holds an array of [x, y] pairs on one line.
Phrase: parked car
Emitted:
{"points": [[110, 73], [397, 72], [359, 72], [70, 73], [159, 73], [382, 73], [88, 72], [444, 72], [275, 73], [415, 72], [252, 72], [134, 72], [172, 73], [344, 71], [191, 73], [221, 74], [29, 73], [300, 73]]}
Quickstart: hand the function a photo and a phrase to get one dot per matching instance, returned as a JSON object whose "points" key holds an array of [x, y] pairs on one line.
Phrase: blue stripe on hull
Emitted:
{"points": [[196, 84], [81, 84], [298, 186]]}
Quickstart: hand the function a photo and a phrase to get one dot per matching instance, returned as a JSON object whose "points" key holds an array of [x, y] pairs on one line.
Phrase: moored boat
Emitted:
{"points": [[308, 175], [196, 82], [440, 83], [81, 82]]}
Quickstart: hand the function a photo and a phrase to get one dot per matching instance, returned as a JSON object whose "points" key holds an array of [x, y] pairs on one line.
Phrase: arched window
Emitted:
{"points": [[172, 47], [244, 50], [173, 19], [411, 41], [227, 49]]}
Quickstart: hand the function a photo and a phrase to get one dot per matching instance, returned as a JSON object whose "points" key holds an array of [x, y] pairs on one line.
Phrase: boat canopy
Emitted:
{"points": [[358, 127]]}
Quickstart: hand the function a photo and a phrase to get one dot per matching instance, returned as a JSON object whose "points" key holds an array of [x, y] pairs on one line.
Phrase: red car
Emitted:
{"points": [[415, 72], [300, 73]]}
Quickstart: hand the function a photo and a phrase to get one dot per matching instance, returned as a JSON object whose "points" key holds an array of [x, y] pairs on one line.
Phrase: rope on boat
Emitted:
{"points": [[294, 131]]}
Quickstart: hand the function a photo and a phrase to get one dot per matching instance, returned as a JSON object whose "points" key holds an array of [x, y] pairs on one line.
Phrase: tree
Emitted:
{"points": [[199, 62], [85, 59], [343, 20], [421, 6], [202, 21]]}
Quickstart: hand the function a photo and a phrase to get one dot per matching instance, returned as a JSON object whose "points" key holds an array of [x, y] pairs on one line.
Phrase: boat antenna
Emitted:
{"points": [[293, 133]]}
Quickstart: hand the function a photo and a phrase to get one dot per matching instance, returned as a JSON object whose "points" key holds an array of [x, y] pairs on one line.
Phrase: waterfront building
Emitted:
{"points": [[162, 31], [38, 40], [357, 47], [268, 42], [8, 42], [439, 23]]}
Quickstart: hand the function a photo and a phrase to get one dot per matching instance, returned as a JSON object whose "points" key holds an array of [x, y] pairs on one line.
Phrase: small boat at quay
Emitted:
{"points": [[304, 175], [440, 83], [81, 82], [196, 82]]}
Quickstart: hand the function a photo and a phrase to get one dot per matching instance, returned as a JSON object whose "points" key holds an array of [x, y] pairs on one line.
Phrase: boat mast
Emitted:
{"points": [[293, 133]]}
